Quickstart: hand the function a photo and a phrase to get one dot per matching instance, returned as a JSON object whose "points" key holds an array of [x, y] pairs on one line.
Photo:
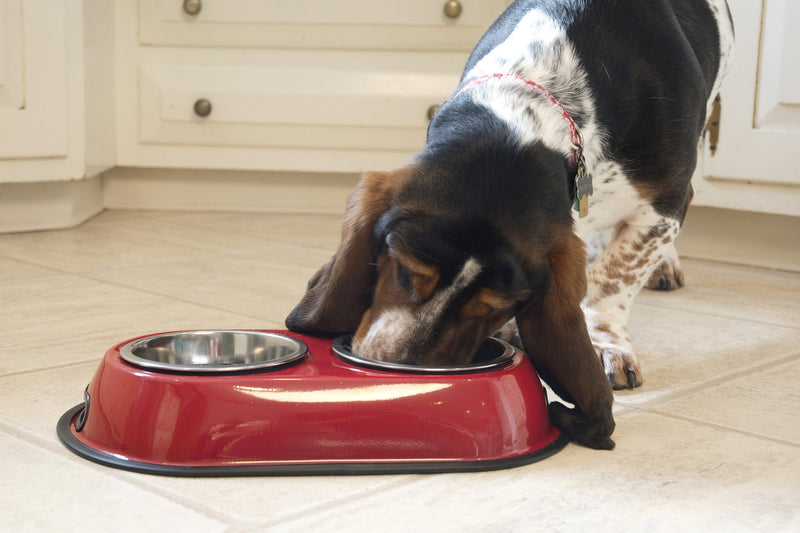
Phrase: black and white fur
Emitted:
{"points": [[478, 228], [596, 56]]}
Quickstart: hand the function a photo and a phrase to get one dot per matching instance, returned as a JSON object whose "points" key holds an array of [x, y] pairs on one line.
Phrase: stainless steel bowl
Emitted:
{"points": [[213, 351], [492, 353]]}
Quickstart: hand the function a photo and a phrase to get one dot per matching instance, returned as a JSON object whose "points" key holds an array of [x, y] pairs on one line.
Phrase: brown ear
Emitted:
{"points": [[555, 338], [340, 292]]}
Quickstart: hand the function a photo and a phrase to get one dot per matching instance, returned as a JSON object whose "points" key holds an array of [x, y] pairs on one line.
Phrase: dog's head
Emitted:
{"points": [[443, 284], [423, 282], [415, 285]]}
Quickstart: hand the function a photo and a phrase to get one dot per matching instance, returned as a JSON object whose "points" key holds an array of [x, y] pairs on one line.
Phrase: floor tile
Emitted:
{"points": [[12, 269], [111, 216], [101, 244], [766, 403], [63, 319], [267, 284], [665, 475], [256, 500], [680, 349], [45, 491], [321, 231], [734, 291], [32, 403], [709, 442]]}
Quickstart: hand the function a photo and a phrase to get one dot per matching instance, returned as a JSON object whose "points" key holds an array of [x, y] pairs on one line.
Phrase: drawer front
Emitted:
{"points": [[347, 104], [350, 24]]}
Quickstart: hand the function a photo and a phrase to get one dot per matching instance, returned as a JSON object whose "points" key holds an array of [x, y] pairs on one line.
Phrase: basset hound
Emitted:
{"points": [[574, 131]]}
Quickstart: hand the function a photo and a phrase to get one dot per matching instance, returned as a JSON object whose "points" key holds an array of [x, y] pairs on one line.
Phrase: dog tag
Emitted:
{"points": [[583, 188], [583, 207]]}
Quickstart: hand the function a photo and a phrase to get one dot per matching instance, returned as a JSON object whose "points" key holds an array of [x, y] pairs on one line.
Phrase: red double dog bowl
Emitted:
{"points": [[222, 403]]}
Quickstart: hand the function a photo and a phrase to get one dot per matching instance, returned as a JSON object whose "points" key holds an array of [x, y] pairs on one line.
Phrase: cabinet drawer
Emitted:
{"points": [[352, 24], [344, 105]]}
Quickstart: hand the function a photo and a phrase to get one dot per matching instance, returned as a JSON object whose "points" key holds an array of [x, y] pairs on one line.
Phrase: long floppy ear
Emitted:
{"points": [[554, 334], [341, 291]]}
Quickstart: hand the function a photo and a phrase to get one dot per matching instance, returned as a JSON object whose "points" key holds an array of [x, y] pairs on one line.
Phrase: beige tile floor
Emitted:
{"points": [[710, 442]]}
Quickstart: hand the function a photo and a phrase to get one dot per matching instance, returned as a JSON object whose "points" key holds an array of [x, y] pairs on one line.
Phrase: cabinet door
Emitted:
{"points": [[33, 92], [755, 166], [11, 71]]}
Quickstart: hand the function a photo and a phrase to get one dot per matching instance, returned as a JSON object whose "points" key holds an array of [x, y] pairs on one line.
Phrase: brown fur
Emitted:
{"points": [[340, 292], [555, 335]]}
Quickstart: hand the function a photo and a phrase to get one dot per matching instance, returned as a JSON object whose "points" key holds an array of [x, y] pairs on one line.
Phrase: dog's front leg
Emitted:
{"points": [[553, 332], [614, 280], [668, 274]]}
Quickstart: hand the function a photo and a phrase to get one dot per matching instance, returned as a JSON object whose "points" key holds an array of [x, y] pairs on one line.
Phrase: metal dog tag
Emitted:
{"points": [[583, 188]]}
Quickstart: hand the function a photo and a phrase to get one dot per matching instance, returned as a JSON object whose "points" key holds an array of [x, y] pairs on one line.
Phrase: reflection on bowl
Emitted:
{"points": [[213, 351]]}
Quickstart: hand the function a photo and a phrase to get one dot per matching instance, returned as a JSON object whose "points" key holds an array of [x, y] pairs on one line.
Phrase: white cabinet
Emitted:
{"points": [[303, 86], [56, 111], [33, 67], [755, 165], [56, 90]]}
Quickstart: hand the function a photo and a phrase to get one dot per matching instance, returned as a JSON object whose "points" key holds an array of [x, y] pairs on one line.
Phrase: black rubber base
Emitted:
{"points": [[326, 469]]}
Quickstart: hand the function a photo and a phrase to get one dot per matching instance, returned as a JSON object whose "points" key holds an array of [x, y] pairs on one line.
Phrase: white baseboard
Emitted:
{"points": [[724, 235], [49, 205], [222, 190], [741, 237]]}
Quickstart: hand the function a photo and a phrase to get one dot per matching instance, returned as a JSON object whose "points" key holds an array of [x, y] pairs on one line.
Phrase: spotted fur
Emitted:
{"points": [[622, 216]]}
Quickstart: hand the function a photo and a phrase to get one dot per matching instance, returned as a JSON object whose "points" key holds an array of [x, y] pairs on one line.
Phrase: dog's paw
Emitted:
{"points": [[621, 366], [667, 276], [591, 432]]}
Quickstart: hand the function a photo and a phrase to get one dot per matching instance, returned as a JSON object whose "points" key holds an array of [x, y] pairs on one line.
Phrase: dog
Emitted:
{"points": [[570, 141]]}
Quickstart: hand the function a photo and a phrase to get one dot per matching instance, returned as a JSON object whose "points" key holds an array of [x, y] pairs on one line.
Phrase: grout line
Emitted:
{"points": [[201, 256], [258, 524], [123, 476], [737, 264], [29, 437], [88, 276], [139, 481], [656, 402], [201, 227], [53, 271], [340, 503], [715, 315], [719, 427], [136, 480], [71, 364]]}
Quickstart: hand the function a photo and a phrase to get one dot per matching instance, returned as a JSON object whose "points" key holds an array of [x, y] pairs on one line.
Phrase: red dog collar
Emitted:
{"points": [[575, 135], [583, 181]]}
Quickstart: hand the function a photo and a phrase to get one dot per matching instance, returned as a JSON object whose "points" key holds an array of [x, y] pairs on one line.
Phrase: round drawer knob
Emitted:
{"points": [[432, 111], [192, 7], [202, 107], [453, 9]]}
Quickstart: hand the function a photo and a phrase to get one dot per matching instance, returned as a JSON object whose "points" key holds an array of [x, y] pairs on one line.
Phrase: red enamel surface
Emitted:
{"points": [[321, 409]]}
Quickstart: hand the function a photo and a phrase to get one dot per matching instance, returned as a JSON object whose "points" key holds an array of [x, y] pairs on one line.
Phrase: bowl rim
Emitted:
{"points": [[126, 352], [341, 347]]}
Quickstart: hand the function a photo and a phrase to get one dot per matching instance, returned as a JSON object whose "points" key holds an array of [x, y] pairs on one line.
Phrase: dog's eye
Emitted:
{"points": [[403, 277]]}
